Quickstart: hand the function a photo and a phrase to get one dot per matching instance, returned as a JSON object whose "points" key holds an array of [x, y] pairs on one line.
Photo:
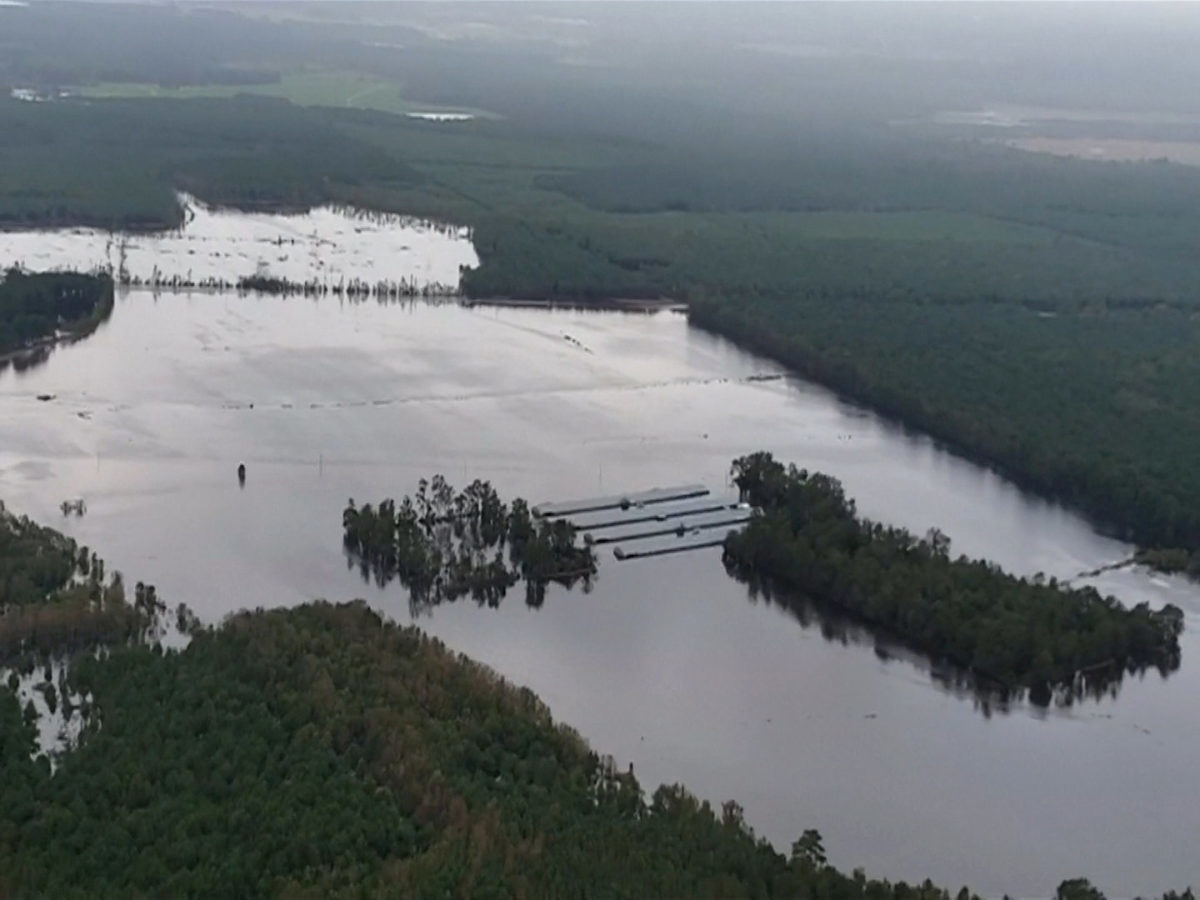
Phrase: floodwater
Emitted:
{"points": [[327, 246], [442, 116], [666, 663]]}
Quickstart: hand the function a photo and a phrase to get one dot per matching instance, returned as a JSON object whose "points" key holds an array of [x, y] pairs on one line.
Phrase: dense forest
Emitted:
{"points": [[1087, 404], [444, 544], [807, 545], [38, 306], [56, 600], [323, 752]]}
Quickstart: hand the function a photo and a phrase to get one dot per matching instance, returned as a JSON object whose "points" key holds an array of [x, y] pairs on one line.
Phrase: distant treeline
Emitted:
{"points": [[252, 153], [34, 307], [807, 545]]}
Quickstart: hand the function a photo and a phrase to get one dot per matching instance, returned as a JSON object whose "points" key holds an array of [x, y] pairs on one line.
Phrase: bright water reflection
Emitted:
{"points": [[327, 246], [665, 662]]}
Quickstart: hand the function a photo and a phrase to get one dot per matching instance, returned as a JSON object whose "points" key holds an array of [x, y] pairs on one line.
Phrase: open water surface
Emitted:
{"points": [[666, 663], [329, 247]]}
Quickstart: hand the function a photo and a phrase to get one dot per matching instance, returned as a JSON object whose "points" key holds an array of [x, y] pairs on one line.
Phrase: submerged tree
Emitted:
{"points": [[444, 544]]}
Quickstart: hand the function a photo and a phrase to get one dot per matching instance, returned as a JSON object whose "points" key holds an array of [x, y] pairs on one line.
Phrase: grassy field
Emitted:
{"points": [[344, 90]]}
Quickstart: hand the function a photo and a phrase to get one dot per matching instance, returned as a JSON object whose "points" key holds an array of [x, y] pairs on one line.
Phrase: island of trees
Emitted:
{"points": [[444, 544], [39, 307], [1015, 634]]}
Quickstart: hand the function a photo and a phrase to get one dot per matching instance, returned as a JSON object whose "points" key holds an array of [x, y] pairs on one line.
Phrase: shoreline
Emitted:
{"points": [[620, 304], [810, 369], [70, 333]]}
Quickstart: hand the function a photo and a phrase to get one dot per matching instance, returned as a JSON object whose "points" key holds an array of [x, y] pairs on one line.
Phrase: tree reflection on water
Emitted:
{"points": [[443, 545]]}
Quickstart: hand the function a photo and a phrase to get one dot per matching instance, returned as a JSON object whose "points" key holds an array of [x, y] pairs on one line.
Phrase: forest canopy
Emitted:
{"points": [[324, 751], [38, 306], [808, 545]]}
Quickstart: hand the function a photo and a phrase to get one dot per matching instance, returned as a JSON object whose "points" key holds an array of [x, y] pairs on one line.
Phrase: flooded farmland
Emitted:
{"points": [[666, 662], [327, 246]]}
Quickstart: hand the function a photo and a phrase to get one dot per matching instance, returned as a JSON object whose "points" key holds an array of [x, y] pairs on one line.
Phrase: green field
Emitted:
{"points": [[345, 90]]}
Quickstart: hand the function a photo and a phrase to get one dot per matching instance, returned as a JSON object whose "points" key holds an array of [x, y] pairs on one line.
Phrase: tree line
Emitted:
{"points": [[806, 544], [56, 599], [1085, 403]]}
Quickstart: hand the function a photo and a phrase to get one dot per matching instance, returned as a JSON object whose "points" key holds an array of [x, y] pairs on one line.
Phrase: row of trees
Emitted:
{"points": [[1087, 403], [1014, 633], [444, 544]]}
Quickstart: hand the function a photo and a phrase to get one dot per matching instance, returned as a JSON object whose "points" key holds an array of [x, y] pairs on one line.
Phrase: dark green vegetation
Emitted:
{"points": [[1009, 632], [443, 545], [320, 752], [323, 752], [1174, 560], [54, 598], [246, 152], [36, 307], [1090, 403]]}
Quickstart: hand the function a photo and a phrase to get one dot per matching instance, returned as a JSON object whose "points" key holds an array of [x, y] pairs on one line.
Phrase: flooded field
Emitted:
{"points": [[442, 116], [1115, 149], [327, 246], [666, 662], [1011, 116]]}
